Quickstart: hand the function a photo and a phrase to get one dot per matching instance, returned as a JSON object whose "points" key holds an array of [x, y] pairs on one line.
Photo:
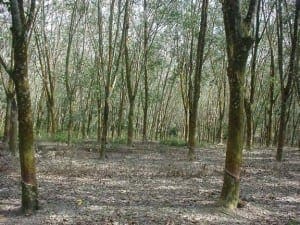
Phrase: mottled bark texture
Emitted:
{"points": [[238, 44], [20, 28], [193, 112]]}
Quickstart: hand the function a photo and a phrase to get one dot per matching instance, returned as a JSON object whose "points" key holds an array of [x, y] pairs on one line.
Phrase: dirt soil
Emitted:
{"points": [[150, 184]]}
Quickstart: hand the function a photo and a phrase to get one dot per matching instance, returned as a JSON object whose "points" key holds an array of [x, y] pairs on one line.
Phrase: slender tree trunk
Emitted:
{"points": [[131, 88], [8, 113], [120, 114], [285, 89], [146, 88], [69, 89], [130, 130], [221, 110], [9, 92], [70, 121], [106, 110], [249, 123], [52, 117], [13, 132], [250, 100], [271, 99], [98, 118], [39, 114], [193, 113]]}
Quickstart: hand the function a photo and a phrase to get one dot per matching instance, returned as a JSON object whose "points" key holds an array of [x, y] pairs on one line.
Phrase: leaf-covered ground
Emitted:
{"points": [[150, 184]]}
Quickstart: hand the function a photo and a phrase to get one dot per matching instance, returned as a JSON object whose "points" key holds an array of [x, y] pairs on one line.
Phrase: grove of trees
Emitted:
{"points": [[199, 72]]}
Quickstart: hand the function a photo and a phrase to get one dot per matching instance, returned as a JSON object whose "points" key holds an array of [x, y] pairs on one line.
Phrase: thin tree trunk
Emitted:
{"points": [[285, 89], [130, 130], [193, 113], [8, 113], [106, 110], [120, 114], [13, 133], [131, 88], [146, 88], [250, 100], [271, 99]]}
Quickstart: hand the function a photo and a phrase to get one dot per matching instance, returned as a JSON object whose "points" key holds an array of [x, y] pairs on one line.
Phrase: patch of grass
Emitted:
{"points": [[61, 137], [176, 142], [173, 142]]}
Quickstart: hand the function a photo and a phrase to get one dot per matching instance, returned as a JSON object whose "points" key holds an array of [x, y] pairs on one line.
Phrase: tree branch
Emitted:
{"points": [[31, 14], [250, 13], [6, 68], [16, 18]]}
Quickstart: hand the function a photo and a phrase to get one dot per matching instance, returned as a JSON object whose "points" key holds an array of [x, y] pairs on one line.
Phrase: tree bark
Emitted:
{"points": [[285, 88], [7, 125], [13, 132], [106, 110], [146, 88], [238, 44], [131, 87], [193, 111], [21, 25]]}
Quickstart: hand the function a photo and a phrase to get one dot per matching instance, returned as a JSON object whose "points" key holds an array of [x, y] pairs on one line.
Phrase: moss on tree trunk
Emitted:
{"points": [[238, 43], [26, 151], [20, 29]]}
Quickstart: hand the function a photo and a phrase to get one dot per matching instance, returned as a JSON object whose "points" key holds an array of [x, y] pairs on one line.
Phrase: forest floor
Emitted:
{"points": [[150, 184]]}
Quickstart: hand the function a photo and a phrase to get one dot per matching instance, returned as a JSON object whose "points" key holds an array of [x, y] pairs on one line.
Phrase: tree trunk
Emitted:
{"points": [[145, 67], [106, 110], [98, 117], [271, 99], [131, 88], [130, 123], [193, 112], [104, 126], [285, 89], [52, 117], [250, 100], [249, 127], [238, 43], [120, 114], [21, 26], [7, 125], [13, 132], [70, 121]]}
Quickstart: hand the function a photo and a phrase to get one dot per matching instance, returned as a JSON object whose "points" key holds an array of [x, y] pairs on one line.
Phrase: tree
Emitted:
{"points": [[132, 86], [22, 21], [196, 84], [145, 66], [10, 132], [47, 65], [285, 81], [110, 72], [238, 44], [249, 100]]}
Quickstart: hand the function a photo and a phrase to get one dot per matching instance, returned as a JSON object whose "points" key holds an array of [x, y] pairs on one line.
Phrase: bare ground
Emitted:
{"points": [[150, 184]]}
